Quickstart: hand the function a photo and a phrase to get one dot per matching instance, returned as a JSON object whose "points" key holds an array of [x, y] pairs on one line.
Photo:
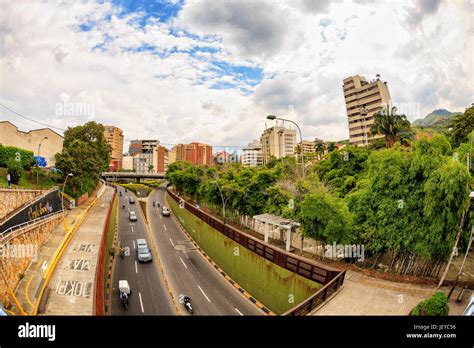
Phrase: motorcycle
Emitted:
{"points": [[123, 206], [122, 253], [153, 203], [120, 193], [187, 303], [124, 299]]}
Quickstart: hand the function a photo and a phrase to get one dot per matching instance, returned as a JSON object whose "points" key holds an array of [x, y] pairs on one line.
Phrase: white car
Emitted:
{"points": [[132, 216], [165, 211]]}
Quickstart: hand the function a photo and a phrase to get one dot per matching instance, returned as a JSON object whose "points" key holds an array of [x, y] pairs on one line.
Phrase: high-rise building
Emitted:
{"points": [[162, 159], [363, 100], [114, 137], [144, 163], [172, 155], [252, 154], [142, 146], [196, 153], [277, 142], [307, 146]]}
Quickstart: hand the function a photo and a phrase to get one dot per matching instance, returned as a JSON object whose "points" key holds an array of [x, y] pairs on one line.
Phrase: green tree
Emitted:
{"points": [[15, 169], [388, 123], [461, 126], [85, 154], [326, 218], [436, 305]]}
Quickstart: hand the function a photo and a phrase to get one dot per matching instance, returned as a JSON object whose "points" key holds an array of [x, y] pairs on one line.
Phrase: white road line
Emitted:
{"points": [[172, 243], [136, 268], [184, 264], [132, 228], [141, 302], [207, 298], [133, 244], [164, 227], [238, 311]]}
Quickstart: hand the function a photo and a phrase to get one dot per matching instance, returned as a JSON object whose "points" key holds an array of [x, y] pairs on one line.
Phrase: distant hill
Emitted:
{"points": [[438, 119]]}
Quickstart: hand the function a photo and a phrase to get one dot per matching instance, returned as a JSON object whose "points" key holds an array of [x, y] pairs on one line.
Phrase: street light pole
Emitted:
{"points": [[39, 148], [64, 186], [363, 112], [273, 117]]}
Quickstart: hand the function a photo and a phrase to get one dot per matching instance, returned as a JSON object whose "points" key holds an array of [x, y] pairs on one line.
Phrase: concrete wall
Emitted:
{"points": [[274, 286], [11, 136], [13, 199], [20, 251]]}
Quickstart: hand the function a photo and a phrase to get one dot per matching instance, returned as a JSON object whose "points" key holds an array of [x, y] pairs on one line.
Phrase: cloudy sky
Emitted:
{"points": [[210, 71]]}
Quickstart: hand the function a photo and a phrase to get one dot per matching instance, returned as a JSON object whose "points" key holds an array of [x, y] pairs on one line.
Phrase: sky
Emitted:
{"points": [[210, 71]]}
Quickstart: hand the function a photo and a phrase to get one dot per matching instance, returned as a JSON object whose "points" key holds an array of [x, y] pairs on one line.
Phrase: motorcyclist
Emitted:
{"points": [[122, 250], [123, 206], [123, 296], [186, 299], [153, 203]]}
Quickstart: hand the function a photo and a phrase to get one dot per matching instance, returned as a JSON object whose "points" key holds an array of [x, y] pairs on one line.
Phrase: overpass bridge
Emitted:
{"points": [[113, 176]]}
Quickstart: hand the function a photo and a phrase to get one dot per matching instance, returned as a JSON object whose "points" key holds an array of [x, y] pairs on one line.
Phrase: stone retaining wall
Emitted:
{"points": [[13, 199]]}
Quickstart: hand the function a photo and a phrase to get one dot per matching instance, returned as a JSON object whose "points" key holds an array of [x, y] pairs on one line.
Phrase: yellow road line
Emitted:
{"points": [[26, 292]]}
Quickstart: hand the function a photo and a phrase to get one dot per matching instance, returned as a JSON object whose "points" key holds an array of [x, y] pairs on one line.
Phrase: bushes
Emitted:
{"points": [[436, 305], [14, 169], [24, 157]]}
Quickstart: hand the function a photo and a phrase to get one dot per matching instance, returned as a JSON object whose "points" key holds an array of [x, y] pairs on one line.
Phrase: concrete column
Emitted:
{"points": [[266, 231], [288, 239]]}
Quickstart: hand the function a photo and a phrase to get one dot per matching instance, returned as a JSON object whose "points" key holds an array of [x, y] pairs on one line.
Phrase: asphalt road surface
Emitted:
{"points": [[188, 272], [149, 294]]}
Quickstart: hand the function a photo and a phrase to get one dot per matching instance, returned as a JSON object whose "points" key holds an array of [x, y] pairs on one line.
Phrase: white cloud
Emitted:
{"points": [[424, 51]]}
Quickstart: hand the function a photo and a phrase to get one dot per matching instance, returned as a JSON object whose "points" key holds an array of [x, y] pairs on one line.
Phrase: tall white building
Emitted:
{"points": [[277, 142], [252, 154]]}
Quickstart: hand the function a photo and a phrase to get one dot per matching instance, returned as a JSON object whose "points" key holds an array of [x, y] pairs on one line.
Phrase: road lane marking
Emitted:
{"points": [[207, 298], [183, 263], [172, 243], [134, 244], [136, 268], [132, 228], [141, 302], [164, 227], [238, 311]]}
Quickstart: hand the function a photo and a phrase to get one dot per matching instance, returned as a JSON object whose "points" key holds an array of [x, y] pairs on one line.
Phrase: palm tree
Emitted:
{"points": [[319, 147], [151, 168], [391, 125]]}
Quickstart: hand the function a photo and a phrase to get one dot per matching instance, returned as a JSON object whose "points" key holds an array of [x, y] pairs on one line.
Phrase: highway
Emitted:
{"points": [[188, 272], [150, 296]]}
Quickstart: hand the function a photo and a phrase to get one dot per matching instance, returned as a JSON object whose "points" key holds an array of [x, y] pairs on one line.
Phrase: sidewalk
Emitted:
{"points": [[363, 295], [28, 288], [72, 284]]}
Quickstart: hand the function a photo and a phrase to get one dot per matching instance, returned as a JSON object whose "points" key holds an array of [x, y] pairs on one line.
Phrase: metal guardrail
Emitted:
{"points": [[28, 223], [27, 203], [331, 278]]}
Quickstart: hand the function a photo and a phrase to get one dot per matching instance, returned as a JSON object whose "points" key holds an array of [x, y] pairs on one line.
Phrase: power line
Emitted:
{"points": [[30, 119]]}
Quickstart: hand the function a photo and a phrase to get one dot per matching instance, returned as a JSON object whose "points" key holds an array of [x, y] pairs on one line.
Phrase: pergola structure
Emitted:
{"points": [[279, 223]]}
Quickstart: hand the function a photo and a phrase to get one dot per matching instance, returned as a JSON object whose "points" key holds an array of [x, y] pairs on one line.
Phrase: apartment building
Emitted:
{"points": [[277, 142], [252, 154], [162, 159], [196, 153], [307, 147], [114, 137], [363, 100]]}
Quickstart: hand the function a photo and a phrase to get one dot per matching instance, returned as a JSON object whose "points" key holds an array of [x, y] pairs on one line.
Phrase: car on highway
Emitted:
{"points": [[143, 252], [132, 216], [131, 200], [165, 211]]}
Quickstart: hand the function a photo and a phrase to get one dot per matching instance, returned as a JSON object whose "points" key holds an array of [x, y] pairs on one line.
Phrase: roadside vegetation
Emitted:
{"points": [[140, 190], [405, 201]]}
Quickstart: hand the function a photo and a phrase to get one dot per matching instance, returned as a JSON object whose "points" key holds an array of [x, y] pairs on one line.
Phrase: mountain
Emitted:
{"points": [[437, 119]]}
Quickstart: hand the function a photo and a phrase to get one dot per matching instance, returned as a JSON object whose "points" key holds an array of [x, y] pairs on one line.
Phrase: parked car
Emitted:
{"points": [[143, 252], [165, 211], [132, 216], [131, 200]]}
